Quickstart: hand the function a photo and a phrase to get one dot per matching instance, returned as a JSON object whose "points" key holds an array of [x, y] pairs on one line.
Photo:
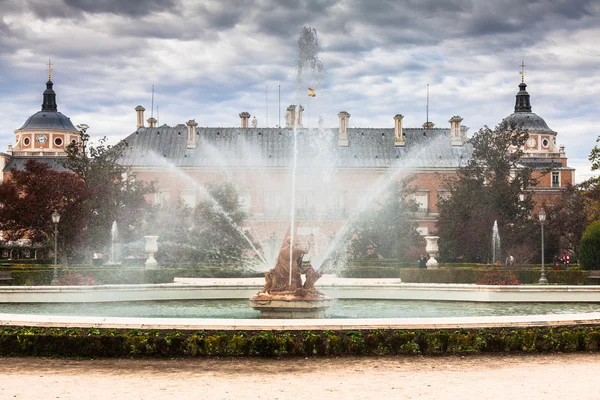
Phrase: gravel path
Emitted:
{"points": [[560, 376]]}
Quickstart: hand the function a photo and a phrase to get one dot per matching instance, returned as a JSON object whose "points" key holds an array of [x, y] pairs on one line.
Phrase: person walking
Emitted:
{"points": [[422, 262], [565, 259]]}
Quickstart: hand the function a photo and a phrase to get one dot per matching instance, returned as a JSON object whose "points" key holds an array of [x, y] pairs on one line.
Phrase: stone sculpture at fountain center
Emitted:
{"points": [[278, 278]]}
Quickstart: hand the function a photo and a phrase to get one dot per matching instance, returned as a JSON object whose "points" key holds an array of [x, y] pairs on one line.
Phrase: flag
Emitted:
{"points": [[311, 92]]}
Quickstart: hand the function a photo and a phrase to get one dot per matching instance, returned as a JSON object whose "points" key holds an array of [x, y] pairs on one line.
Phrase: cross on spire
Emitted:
{"points": [[50, 69], [522, 72]]}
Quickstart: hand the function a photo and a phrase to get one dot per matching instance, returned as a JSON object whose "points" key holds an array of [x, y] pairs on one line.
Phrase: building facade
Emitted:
{"points": [[337, 172]]}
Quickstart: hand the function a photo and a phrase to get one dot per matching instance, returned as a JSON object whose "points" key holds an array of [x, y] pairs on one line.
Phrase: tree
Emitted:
{"points": [[491, 187], [591, 187], [589, 248], [388, 229], [567, 221], [112, 193], [217, 233], [28, 199]]}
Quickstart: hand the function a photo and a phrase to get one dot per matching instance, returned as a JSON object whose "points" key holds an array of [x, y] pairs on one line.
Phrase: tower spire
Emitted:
{"points": [[522, 72], [50, 69], [49, 103]]}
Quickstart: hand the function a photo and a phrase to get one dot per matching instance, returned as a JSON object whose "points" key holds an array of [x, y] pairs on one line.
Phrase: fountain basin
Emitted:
{"points": [[292, 307]]}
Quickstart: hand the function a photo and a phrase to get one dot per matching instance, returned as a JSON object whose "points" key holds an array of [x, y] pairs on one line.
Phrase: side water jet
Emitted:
{"points": [[114, 237], [367, 200], [495, 244], [188, 179]]}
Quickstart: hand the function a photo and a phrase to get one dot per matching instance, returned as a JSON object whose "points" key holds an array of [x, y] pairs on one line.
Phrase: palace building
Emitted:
{"points": [[338, 170]]}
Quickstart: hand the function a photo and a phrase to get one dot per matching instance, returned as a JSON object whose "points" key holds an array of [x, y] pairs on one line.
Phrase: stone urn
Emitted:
{"points": [[151, 248], [432, 249]]}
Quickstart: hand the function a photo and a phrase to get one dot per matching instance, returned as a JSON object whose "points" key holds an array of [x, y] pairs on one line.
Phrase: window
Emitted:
{"points": [[272, 203], [188, 197], [555, 179], [162, 197], [337, 200], [26, 141], [304, 200], [422, 201], [58, 141]]}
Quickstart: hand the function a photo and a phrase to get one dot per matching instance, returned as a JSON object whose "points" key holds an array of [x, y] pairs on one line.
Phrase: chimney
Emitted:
{"points": [[290, 116], [152, 122], [191, 140], [399, 139], [343, 138], [140, 116], [299, 120], [456, 135], [244, 117]]}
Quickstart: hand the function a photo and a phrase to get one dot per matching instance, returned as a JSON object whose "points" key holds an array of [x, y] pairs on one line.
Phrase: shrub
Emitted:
{"points": [[589, 247], [498, 278], [74, 279]]}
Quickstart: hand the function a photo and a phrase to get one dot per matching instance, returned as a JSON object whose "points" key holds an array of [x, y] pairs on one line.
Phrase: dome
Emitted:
{"points": [[528, 120], [523, 118], [52, 120]]}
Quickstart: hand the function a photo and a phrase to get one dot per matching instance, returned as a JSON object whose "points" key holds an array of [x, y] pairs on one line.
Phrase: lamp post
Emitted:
{"points": [[55, 220], [542, 217]]}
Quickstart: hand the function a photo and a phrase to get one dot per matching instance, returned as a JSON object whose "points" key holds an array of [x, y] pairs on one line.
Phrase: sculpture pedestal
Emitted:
{"points": [[288, 306]]}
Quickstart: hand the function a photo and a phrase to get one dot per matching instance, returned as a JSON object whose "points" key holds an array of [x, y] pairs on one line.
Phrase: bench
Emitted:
{"points": [[594, 274], [5, 277]]}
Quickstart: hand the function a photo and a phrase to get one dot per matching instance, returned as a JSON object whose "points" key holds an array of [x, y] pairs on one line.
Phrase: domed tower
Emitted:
{"points": [[542, 139], [547, 161], [47, 132]]}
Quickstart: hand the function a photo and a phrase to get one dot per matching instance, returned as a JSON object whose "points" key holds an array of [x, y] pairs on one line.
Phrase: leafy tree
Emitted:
{"points": [[387, 230], [589, 248], [112, 193], [217, 233], [491, 187], [567, 221], [591, 187], [28, 199]]}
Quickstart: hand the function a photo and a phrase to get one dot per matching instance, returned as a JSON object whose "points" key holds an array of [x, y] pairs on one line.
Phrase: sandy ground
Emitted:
{"points": [[477, 377]]}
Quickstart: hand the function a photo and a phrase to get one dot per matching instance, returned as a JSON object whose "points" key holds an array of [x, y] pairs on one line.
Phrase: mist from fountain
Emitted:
{"points": [[190, 181]]}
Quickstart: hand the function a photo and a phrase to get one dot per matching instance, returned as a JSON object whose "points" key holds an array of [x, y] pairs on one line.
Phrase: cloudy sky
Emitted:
{"points": [[210, 60]]}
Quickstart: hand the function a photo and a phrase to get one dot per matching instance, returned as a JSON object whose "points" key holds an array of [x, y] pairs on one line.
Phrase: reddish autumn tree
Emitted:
{"points": [[28, 199]]}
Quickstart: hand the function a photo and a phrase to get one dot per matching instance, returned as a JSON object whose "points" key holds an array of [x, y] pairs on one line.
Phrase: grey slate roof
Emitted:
{"points": [[539, 163], [48, 120], [529, 121], [18, 163], [272, 147]]}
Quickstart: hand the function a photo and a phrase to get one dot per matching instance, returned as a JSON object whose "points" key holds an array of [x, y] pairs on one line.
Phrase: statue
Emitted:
{"points": [[278, 278], [254, 122]]}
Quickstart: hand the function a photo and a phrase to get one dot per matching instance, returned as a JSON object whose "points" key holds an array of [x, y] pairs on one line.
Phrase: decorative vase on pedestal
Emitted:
{"points": [[432, 249], [151, 248]]}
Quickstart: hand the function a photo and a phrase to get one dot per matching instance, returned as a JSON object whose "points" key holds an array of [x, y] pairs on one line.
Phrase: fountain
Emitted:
{"points": [[284, 294], [495, 244], [114, 237]]}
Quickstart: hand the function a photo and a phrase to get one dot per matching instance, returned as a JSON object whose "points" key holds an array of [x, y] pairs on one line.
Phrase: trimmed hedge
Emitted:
{"points": [[101, 275], [464, 275], [589, 247], [94, 343]]}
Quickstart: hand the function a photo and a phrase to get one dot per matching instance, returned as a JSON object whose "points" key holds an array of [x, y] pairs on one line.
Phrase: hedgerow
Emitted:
{"points": [[94, 343]]}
